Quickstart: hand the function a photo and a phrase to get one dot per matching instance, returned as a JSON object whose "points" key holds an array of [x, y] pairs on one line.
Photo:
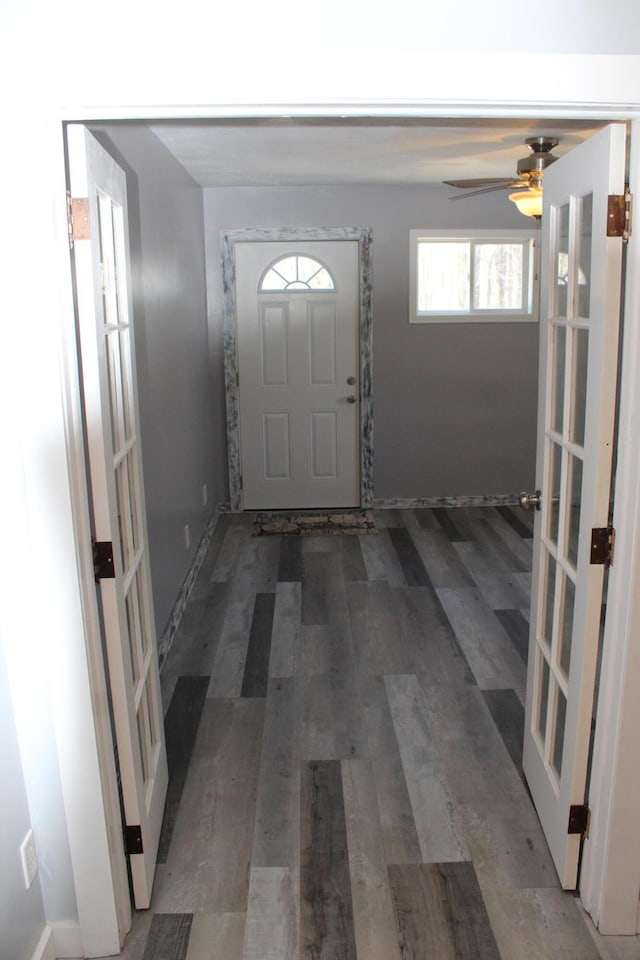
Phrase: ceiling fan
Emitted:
{"points": [[527, 184]]}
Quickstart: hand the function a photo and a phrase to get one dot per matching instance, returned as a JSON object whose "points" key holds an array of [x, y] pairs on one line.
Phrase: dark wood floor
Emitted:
{"points": [[344, 728]]}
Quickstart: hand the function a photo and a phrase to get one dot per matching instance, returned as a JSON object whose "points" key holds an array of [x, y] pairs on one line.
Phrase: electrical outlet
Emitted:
{"points": [[205, 495], [29, 859], [187, 536]]}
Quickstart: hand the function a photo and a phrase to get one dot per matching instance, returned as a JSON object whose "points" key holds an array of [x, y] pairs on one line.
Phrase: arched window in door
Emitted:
{"points": [[294, 272]]}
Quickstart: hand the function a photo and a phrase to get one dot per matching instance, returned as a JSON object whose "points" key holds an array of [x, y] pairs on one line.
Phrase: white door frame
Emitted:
{"points": [[364, 238], [613, 817]]}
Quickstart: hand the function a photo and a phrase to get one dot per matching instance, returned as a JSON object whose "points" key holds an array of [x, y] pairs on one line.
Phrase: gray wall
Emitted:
{"points": [[454, 405], [22, 917], [180, 452]]}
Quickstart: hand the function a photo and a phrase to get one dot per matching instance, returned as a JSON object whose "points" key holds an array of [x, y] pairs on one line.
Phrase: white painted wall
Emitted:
{"points": [[41, 613], [143, 54], [73, 60], [21, 911]]}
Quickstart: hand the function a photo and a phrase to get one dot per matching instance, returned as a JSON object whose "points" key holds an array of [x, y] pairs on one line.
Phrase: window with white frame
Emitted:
{"points": [[473, 275], [294, 272]]}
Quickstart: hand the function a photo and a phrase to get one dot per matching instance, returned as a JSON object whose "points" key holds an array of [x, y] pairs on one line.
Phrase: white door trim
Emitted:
{"points": [[566, 85], [228, 240], [610, 878]]}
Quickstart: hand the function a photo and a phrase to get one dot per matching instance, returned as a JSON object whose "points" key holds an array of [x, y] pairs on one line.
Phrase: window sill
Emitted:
{"points": [[475, 319]]}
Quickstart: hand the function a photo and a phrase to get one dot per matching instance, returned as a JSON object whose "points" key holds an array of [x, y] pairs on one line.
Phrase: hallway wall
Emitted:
{"points": [[454, 405], [21, 911], [181, 449]]}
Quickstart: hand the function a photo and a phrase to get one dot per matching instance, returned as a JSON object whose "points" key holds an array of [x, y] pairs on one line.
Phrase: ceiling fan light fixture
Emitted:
{"points": [[528, 202]]}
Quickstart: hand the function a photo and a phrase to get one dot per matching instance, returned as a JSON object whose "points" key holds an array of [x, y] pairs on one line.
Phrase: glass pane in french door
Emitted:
{"points": [[573, 508], [132, 477], [145, 735], [134, 628], [565, 626], [542, 677], [559, 716], [583, 255], [128, 415], [580, 356], [553, 486], [124, 516], [558, 342], [548, 602], [561, 238]]}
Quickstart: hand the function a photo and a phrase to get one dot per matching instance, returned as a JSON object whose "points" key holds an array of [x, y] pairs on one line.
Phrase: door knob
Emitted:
{"points": [[530, 501], [351, 399], [351, 381]]}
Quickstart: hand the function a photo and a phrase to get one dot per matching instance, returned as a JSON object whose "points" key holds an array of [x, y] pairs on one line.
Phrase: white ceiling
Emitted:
{"points": [[296, 152]]}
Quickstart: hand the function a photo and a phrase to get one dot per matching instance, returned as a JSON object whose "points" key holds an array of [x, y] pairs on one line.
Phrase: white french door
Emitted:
{"points": [[298, 363], [101, 265], [581, 269]]}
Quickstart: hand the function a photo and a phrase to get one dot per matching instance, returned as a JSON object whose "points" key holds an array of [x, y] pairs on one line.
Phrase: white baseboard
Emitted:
{"points": [[59, 941], [169, 632], [45, 949], [67, 940], [412, 503]]}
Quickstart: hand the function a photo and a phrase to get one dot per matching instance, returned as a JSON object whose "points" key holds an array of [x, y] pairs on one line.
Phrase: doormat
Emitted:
{"points": [[288, 524]]}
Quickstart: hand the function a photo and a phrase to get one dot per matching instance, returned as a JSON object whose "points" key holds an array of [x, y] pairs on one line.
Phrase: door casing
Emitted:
{"points": [[364, 238], [604, 873], [610, 874]]}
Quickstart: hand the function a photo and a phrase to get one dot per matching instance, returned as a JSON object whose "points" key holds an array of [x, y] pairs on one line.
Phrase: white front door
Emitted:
{"points": [[581, 272], [298, 366], [101, 264]]}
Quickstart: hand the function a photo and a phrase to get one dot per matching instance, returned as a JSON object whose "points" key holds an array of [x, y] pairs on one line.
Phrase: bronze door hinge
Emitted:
{"points": [[619, 215], [103, 565], [77, 219], [133, 840], [579, 819], [602, 543]]}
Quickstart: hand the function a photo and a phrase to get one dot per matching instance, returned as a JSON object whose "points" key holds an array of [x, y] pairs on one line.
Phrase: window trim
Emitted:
{"points": [[529, 314]]}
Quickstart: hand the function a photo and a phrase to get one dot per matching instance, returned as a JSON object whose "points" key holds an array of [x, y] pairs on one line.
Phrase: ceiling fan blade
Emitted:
{"points": [[481, 182], [509, 184]]}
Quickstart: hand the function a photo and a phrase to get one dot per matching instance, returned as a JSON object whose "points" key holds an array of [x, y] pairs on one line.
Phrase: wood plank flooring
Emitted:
{"points": [[344, 722]]}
